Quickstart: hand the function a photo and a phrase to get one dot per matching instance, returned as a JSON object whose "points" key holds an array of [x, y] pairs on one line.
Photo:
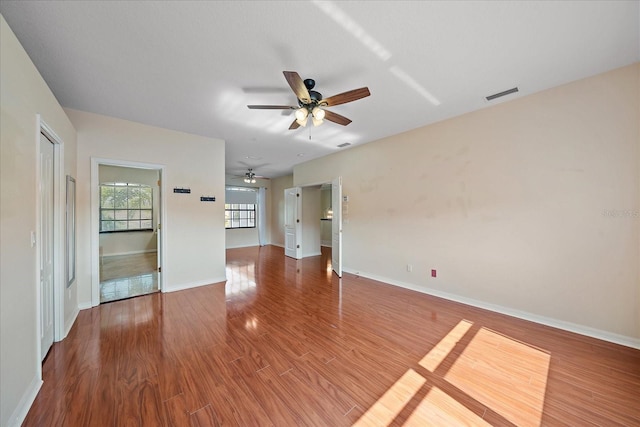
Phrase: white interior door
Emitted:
{"points": [[46, 245], [336, 226], [292, 223]]}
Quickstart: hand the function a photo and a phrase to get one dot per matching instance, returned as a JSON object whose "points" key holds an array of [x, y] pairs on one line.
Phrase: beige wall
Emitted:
{"points": [[530, 206], [193, 231], [23, 95], [278, 185]]}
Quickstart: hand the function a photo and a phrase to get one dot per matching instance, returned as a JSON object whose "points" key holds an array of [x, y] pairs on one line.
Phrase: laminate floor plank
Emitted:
{"points": [[238, 397], [285, 342], [261, 392], [205, 417], [305, 372], [176, 413], [300, 403]]}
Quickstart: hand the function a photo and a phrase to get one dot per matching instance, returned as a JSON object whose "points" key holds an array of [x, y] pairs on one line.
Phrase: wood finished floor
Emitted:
{"points": [[286, 343]]}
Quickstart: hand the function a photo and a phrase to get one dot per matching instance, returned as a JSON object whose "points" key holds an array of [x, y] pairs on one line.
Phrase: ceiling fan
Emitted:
{"points": [[250, 177], [311, 103]]}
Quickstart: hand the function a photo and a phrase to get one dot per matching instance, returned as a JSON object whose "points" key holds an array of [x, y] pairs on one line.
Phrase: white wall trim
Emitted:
{"points": [[277, 244], [21, 411], [85, 305], [58, 236], [311, 254], [95, 232], [144, 251], [252, 245], [72, 320], [543, 320], [184, 286]]}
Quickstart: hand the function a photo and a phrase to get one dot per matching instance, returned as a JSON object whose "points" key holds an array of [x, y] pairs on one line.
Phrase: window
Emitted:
{"points": [[125, 207], [240, 215]]}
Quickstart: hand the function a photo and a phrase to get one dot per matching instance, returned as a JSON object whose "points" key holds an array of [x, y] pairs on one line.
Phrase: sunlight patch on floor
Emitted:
{"points": [[438, 353], [384, 411], [507, 376], [439, 409]]}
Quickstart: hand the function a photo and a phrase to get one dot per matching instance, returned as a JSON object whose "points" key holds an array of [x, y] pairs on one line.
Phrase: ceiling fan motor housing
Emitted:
{"points": [[309, 83], [316, 97]]}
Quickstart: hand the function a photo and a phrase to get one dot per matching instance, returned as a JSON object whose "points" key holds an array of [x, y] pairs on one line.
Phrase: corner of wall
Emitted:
{"points": [[27, 399]]}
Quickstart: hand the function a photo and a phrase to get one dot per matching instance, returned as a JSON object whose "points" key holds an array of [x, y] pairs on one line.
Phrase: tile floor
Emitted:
{"points": [[127, 287], [126, 276]]}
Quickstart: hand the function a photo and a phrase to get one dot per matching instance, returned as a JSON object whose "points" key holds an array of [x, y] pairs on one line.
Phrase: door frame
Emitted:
{"points": [[320, 183], [336, 223], [59, 207], [95, 220]]}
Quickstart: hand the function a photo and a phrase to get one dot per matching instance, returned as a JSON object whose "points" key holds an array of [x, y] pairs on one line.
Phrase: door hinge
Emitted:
{"points": [[159, 269], [158, 226], [158, 183]]}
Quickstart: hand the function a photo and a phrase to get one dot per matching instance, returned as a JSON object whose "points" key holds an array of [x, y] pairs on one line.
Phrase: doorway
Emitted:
{"points": [[304, 221], [128, 211]]}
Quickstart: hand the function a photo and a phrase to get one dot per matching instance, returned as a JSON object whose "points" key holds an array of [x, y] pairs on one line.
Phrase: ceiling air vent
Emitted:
{"points": [[500, 94], [346, 144]]}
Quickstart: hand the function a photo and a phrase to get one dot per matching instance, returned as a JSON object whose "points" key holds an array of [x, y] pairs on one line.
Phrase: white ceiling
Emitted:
{"points": [[193, 66]]}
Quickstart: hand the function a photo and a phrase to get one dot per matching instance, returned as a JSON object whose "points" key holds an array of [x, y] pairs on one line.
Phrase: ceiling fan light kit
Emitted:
{"points": [[250, 177], [301, 113], [311, 101], [315, 121], [318, 113]]}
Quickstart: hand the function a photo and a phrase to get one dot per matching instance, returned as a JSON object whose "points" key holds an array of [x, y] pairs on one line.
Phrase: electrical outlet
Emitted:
{"points": [[433, 273], [409, 268]]}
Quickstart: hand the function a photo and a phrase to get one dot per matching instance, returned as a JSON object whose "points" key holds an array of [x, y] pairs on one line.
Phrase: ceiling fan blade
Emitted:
{"points": [[344, 97], [294, 125], [297, 85], [336, 118], [270, 107]]}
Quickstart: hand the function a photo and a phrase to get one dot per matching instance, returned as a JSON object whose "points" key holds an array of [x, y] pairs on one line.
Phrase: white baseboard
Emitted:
{"points": [[21, 411], [183, 286], [326, 243], [145, 251], [85, 305], [243, 246], [548, 321], [312, 254], [278, 245], [69, 324]]}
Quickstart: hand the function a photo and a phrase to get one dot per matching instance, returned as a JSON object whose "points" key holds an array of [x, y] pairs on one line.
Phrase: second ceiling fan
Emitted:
{"points": [[312, 104]]}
